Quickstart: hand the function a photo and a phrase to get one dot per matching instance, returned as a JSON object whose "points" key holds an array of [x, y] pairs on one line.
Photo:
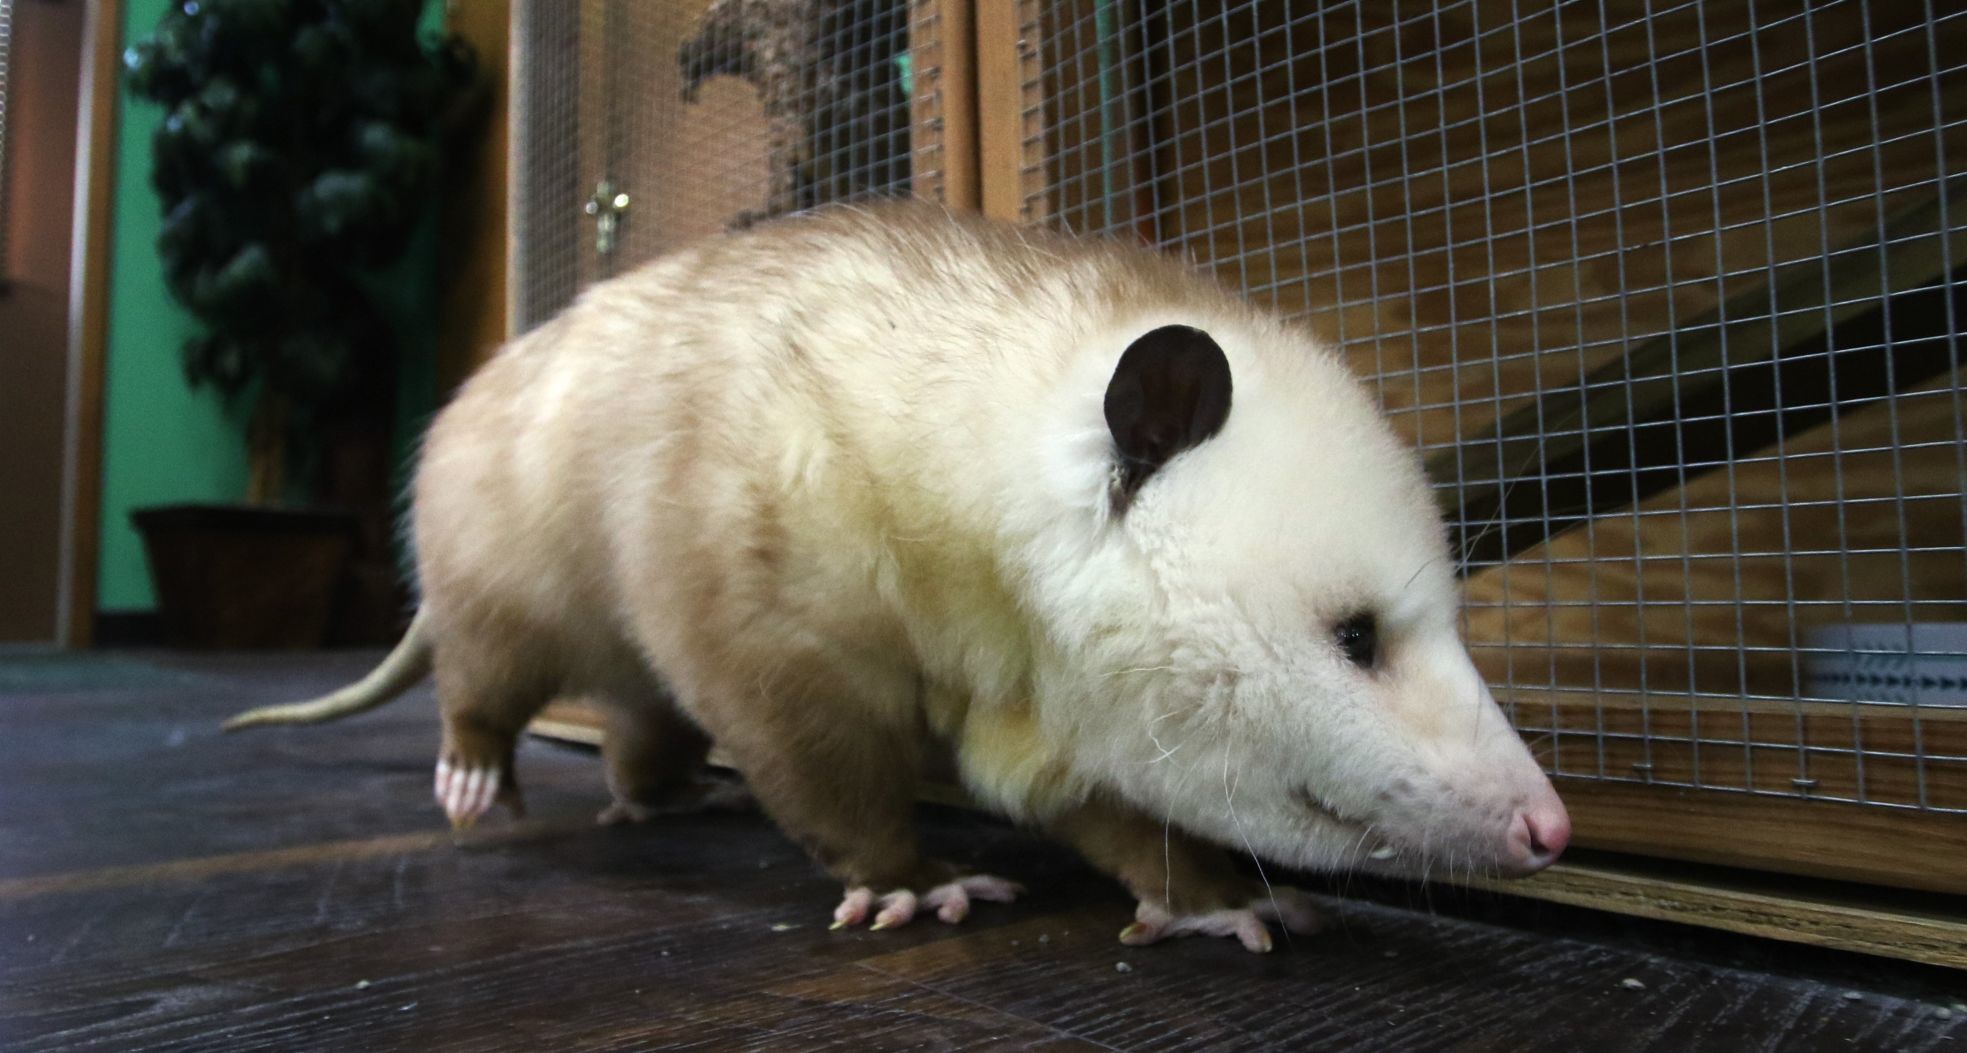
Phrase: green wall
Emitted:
{"points": [[163, 442]]}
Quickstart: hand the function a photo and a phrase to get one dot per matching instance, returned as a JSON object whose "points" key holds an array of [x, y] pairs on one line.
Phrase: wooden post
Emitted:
{"points": [[943, 108], [88, 324], [1010, 125], [473, 316]]}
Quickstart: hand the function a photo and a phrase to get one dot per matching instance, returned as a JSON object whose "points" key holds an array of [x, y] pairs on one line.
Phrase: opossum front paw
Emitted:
{"points": [[1290, 907], [467, 791], [950, 901]]}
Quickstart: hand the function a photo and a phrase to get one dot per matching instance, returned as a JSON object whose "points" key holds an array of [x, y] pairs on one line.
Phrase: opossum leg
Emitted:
{"points": [[486, 701], [1185, 887], [841, 782], [655, 762]]}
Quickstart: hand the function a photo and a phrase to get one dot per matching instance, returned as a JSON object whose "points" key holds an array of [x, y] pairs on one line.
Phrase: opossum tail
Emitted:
{"points": [[407, 665]]}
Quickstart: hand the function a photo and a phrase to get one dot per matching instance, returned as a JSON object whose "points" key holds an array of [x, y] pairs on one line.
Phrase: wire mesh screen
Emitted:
{"points": [[1666, 294], [640, 125]]}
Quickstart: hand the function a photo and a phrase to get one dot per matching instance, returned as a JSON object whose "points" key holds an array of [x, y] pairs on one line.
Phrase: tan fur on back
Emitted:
{"points": [[782, 458]]}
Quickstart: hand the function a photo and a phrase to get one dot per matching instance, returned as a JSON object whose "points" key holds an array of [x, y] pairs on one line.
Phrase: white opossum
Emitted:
{"points": [[1143, 556]]}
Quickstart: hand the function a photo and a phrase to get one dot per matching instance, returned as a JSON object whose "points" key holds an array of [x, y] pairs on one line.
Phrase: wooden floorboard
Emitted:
{"points": [[164, 887]]}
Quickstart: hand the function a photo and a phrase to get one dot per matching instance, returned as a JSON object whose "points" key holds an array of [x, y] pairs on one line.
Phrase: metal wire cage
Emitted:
{"points": [[639, 125], [1668, 294]]}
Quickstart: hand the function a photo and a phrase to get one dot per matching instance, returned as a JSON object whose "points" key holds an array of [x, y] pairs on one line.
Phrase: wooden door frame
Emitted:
{"points": [[1006, 62], [474, 316], [88, 322]]}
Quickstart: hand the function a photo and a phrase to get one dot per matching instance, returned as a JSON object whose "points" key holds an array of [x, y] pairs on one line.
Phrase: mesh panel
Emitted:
{"points": [[1665, 293], [642, 125]]}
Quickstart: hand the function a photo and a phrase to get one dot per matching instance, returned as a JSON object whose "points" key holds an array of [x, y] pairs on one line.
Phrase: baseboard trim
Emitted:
{"points": [[128, 629]]}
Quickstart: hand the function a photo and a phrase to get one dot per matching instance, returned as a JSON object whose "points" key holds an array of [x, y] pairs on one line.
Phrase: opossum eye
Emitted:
{"points": [[1359, 637]]}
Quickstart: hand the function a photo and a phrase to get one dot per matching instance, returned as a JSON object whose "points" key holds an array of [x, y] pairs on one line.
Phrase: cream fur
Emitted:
{"points": [[857, 463]]}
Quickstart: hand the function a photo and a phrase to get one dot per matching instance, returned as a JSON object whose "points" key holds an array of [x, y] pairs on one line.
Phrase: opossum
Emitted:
{"points": [[1143, 557]]}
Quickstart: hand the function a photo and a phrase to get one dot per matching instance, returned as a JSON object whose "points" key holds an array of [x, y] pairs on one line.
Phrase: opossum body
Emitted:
{"points": [[1143, 557]]}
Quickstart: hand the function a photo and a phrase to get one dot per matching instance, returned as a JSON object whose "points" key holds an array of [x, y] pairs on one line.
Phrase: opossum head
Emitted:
{"points": [[1265, 626]]}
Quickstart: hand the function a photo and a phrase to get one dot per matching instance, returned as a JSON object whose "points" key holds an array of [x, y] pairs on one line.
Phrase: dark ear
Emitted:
{"points": [[1169, 393]]}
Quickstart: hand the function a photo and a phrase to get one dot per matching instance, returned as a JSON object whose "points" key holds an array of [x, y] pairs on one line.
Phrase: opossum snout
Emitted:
{"points": [[1513, 826], [1509, 816], [1537, 835]]}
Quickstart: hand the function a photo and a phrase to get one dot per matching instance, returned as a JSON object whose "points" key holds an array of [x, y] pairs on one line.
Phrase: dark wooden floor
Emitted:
{"points": [[163, 887]]}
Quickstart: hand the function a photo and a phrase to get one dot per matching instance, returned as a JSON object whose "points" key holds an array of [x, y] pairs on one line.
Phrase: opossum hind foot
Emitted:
{"points": [[700, 795], [1289, 907], [467, 791], [950, 902]]}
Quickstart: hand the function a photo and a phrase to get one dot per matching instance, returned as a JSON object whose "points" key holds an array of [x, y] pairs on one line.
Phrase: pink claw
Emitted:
{"points": [[853, 909], [466, 794], [951, 902], [897, 910]]}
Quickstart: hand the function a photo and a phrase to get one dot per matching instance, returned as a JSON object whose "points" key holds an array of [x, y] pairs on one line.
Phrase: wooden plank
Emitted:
{"points": [[1868, 925], [95, 216], [262, 860], [1889, 757], [473, 318], [1007, 80], [1926, 851], [943, 124], [1609, 425], [1585, 700], [1882, 762], [569, 720]]}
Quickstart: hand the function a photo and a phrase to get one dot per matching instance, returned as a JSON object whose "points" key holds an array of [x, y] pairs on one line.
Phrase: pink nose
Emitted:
{"points": [[1537, 836]]}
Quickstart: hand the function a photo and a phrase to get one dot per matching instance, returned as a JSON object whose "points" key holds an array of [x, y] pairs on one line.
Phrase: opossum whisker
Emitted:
{"points": [[1352, 863], [1502, 504], [1427, 871], [1417, 572], [1166, 751], [1167, 824], [1167, 856], [1229, 801]]}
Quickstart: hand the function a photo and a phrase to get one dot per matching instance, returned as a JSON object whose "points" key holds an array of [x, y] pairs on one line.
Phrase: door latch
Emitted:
{"points": [[607, 206]]}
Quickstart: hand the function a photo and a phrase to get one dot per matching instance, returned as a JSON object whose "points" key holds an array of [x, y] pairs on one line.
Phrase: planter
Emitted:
{"points": [[243, 576]]}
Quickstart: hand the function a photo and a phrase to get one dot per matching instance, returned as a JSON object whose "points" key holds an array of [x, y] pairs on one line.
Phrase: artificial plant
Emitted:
{"points": [[301, 146]]}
